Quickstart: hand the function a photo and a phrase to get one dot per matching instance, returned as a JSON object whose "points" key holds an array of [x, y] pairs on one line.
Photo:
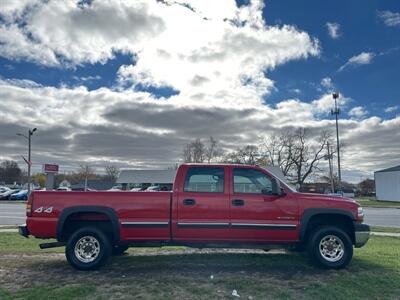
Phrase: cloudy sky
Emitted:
{"points": [[130, 82]]}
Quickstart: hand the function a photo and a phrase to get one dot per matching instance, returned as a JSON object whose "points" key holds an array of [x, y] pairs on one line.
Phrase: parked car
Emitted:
{"points": [[228, 206], [159, 187], [6, 195], [4, 189], [21, 195], [116, 187], [153, 188], [64, 189]]}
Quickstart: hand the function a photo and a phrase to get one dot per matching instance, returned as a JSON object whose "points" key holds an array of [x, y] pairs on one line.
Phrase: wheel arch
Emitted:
{"points": [[326, 216], [107, 211]]}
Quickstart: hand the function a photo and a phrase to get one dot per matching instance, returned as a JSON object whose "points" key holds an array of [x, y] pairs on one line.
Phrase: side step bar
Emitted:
{"points": [[51, 245]]}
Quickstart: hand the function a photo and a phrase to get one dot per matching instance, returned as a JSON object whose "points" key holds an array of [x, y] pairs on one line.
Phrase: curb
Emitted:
{"points": [[8, 230], [391, 234]]}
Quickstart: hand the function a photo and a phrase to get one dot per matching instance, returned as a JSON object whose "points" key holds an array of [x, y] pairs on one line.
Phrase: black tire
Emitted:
{"points": [[330, 247], [92, 239], [119, 250]]}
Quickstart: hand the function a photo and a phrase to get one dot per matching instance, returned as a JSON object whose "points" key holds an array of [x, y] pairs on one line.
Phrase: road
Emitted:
{"points": [[389, 217], [14, 213]]}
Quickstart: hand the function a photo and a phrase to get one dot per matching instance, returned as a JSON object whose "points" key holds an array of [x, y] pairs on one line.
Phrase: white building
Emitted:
{"points": [[387, 184]]}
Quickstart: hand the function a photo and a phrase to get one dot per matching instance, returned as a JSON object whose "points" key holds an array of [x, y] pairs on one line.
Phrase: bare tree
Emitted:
{"points": [[187, 153], [194, 152], [112, 172], [213, 150], [198, 152], [277, 151], [367, 187], [307, 154], [174, 167], [85, 172], [248, 155]]}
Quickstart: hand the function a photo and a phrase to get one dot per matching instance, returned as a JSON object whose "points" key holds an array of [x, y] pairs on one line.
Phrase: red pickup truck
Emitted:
{"points": [[227, 206]]}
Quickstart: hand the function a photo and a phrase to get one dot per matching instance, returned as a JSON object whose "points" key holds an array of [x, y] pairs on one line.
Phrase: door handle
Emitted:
{"points": [[238, 202], [189, 202]]}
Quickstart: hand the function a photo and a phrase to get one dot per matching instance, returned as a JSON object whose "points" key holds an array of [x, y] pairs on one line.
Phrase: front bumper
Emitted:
{"points": [[361, 234], [23, 230]]}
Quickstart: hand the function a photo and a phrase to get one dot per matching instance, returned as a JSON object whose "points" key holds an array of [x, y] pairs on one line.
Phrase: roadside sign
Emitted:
{"points": [[27, 161], [50, 168]]}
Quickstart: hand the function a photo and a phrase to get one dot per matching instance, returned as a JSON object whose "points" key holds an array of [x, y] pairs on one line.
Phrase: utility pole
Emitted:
{"points": [[336, 112], [330, 156], [29, 162]]}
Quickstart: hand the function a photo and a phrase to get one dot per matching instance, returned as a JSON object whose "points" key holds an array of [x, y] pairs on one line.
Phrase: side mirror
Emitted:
{"points": [[277, 189]]}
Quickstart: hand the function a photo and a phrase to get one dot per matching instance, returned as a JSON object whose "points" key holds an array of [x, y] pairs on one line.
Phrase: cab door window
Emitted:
{"points": [[251, 181]]}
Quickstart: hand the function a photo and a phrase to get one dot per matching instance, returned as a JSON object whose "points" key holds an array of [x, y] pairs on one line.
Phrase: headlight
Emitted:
{"points": [[360, 212]]}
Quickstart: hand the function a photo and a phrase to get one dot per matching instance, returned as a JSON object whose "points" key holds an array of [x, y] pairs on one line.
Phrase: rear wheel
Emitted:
{"points": [[88, 248], [330, 247]]}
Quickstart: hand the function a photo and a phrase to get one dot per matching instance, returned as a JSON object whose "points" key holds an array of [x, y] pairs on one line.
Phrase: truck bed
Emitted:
{"points": [[134, 210]]}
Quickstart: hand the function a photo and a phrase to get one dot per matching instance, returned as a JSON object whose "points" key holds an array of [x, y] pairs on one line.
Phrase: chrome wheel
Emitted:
{"points": [[87, 249], [331, 248]]}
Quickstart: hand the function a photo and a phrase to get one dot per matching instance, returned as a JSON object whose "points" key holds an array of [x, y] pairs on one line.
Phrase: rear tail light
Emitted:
{"points": [[29, 205]]}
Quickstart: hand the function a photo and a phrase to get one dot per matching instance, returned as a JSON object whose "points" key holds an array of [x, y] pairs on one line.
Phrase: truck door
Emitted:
{"points": [[203, 205], [256, 213]]}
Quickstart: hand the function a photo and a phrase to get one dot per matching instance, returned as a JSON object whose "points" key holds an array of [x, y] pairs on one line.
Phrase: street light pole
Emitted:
{"points": [[29, 160], [30, 133], [336, 112], [330, 167]]}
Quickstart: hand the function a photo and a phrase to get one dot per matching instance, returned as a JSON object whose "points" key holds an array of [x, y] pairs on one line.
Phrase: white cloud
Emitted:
{"points": [[327, 83], [333, 30], [326, 103], [229, 48], [296, 91], [391, 109], [363, 58], [357, 112], [87, 78], [69, 33], [389, 18]]}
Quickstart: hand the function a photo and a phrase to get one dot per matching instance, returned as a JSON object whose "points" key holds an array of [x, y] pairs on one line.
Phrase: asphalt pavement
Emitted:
{"points": [[388, 217], [14, 214]]}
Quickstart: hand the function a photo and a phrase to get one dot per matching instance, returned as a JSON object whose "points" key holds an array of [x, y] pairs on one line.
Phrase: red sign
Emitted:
{"points": [[29, 162], [50, 168]]}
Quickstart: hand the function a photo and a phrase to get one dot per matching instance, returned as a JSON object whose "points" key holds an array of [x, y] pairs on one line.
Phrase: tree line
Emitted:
{"points": [[11, 173]]}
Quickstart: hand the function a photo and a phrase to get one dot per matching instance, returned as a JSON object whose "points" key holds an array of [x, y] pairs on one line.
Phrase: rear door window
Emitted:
{"points": [[205, 180]]}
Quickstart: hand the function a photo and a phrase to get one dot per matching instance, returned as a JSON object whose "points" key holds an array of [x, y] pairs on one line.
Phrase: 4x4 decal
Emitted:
{"points": [[43, 209]]}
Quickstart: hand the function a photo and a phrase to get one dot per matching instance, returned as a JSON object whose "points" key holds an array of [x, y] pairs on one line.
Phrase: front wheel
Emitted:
{"points": [[88, 248], [330, 247]]}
